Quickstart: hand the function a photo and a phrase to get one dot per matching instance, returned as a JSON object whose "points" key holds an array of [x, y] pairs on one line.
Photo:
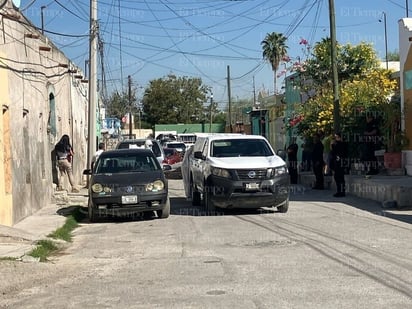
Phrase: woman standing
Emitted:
{"points": [[64, 154]]}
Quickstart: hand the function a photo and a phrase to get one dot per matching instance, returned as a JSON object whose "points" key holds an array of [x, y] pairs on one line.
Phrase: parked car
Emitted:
{"points": [[125, 182], [179, 146], [153, 144], [235, 171], [172, 156]]}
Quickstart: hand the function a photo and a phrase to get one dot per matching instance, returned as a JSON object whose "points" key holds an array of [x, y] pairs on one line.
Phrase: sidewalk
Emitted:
{"points": [[379, 188], [18, 240]]}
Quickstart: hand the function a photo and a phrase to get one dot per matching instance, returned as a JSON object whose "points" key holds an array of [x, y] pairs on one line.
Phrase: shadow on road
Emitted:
{"points": [[182, 207], [81, 216]]}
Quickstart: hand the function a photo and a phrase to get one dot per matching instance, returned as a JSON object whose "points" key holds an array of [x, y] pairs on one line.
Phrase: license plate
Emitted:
{"points": [[252, 186], [129, 199]]}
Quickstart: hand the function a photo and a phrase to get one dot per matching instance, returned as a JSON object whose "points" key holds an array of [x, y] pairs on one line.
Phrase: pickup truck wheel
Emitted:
{"points": [[165, 212], [284, 208], [91, 211], [196, 198], [208, 203]]}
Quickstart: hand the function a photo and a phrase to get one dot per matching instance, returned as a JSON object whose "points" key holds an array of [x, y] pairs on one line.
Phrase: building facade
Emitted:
{"points": [[43, 96], [405, 58]]}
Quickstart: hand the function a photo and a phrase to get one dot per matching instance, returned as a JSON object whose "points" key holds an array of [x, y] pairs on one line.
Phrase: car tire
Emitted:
{"points": [[92, 214], [210, 208], [196, 198], [165, 212], [284, 207]]}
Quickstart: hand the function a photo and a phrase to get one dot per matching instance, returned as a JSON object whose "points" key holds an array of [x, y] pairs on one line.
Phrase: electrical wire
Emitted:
{"points": [[84, 12], [3, 4], [189, 60], [71, 12], [168, 19], [28, 5]]}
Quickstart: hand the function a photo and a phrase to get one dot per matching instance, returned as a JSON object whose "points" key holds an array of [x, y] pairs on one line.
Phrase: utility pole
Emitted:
{"points": [[92, 82], [140, 117], [336, 107], [211, 114], [130, 105], [386, 40], [254, 92], [230, 100]]}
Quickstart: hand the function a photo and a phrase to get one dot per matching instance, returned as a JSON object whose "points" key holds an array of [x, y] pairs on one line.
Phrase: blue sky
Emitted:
{"points": [[152, 38]]}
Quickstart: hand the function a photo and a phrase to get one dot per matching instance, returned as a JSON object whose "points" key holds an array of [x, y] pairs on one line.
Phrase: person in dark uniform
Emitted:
{"points": [[293, 161], [339, 152], [371, 135], [317, 162]]}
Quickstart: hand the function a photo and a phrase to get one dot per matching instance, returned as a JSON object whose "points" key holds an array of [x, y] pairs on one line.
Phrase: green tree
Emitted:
{"points": [[393, 56], [172, 100], [352, 60], [364, 86], [274, 50], [119, 104]]}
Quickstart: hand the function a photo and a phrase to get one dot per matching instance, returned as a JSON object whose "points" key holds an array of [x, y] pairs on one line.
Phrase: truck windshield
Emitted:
{"points": [[240, 148]]}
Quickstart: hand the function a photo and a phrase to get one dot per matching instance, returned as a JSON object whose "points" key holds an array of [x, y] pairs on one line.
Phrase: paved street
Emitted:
{"points": [[324, 253]]}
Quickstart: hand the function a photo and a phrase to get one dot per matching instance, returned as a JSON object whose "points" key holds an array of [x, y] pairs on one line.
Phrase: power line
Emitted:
{"points": [[71, 12]]}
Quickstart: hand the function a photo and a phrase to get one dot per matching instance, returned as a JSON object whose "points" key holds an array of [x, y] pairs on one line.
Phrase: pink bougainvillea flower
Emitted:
{"points": [[286, 58]]}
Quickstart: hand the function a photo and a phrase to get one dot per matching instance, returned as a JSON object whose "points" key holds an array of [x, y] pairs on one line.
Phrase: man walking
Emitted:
{"points": [[338, 158], [317, 162], [102, 148]]}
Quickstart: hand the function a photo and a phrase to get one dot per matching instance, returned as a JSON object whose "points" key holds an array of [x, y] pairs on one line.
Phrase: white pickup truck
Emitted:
{"points": [[235, 171]]}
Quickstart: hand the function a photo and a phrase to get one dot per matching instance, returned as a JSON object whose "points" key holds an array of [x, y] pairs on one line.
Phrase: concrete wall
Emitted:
{"points": [[31, 80], [405, 55]]}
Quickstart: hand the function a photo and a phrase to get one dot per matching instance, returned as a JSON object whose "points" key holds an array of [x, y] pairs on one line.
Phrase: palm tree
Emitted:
{"points": [[274, 49]]}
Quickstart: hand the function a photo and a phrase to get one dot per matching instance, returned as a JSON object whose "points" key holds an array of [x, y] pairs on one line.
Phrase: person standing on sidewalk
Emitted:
{"points": [[102, 148], [339, 152], [370, 138], [64, 153], [317, 162]]}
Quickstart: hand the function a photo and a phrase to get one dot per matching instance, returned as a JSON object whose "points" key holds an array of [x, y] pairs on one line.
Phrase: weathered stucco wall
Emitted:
{"points": [[6, 206], [405, 55], [34, 76]]}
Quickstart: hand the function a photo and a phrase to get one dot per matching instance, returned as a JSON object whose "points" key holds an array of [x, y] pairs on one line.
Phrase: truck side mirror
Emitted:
{"points": [[198, 155]]}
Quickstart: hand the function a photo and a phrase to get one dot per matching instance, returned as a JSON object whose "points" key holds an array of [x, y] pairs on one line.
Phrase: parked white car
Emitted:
{"points": [[235, 171]]}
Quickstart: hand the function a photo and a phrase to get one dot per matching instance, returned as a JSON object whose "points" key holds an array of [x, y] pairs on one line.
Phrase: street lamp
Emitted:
{"points": [[386, 38], [211, 115], [42, 18]]}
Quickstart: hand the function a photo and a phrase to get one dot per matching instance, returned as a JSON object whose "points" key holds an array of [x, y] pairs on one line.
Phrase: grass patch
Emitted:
{"points": [[64, 232], [72, 221], [7, 258], [45, 248]]}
